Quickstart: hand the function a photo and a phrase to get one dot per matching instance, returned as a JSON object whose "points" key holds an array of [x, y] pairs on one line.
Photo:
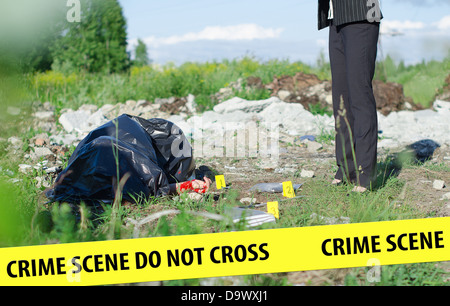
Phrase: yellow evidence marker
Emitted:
{"points": [[220, 182], [288, 190], [272, 208]]}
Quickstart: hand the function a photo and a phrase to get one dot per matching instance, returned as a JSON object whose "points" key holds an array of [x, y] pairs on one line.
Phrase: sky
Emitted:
{"points": [[206, 30]]}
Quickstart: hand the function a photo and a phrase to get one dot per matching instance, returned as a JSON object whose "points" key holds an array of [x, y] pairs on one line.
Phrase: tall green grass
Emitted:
{"points": [[422, 82], [150, 82]]}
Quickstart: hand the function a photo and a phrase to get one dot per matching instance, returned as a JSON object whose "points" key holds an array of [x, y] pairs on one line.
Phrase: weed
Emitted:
{"points": [[420, 274]]}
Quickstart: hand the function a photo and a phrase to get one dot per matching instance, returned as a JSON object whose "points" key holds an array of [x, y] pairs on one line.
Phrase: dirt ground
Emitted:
{"points": [[418, 191]]}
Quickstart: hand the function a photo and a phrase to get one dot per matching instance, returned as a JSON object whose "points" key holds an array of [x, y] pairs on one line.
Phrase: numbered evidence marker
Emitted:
{"points": [[220, 182], [288, 190], [272, 208]]}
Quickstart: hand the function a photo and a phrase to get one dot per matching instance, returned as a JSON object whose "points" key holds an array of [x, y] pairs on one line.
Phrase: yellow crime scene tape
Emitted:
{"points": [[227, 254]]}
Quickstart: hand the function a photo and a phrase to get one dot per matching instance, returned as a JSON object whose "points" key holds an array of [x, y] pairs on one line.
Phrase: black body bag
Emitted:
{"points": [[154, 152]]}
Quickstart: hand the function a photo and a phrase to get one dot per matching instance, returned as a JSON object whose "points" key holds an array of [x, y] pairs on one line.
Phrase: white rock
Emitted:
{"points": [[284, 94], [97, 119], [75, 121], [142, 103], [226, 91], [15, 142], [190, 104], [438, 184], [90, 108], [64, 139], [248, 201], [247, 106], [291, 117], [107, 108], [82, 121], [446, 196], [40, 152], [51, 170], [313, 146], [130, 103], [25, 168], [441, 106], [43, 115], [306, 173]]}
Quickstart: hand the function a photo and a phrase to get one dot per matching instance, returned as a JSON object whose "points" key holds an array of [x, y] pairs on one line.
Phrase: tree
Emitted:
{"points": [[28, 30], [97, 43], [141, 55]]}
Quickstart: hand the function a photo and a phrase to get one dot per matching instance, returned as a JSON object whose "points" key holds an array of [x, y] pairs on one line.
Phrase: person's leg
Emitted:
{"points": [[360, 41], [343, 143]]}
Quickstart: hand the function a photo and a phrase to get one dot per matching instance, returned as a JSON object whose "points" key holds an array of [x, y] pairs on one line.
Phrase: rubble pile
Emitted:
{"points": [[400, 123]]}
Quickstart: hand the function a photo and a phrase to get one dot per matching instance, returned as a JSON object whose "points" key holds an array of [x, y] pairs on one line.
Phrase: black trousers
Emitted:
{"points": [[353, 52]]}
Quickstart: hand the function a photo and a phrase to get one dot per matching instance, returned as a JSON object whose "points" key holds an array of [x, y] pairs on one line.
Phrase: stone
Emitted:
{"points": [[442, 107], [25, 168], [307, 173], [96, 119], [313, 146], [142, 103], [292, 118], [173, 106], [52, 170], [446, 196], [41, 182], [190, 104], [65, 139], [438, 184], [130, 103], [239, 104], [44, 115], [16, 142], [248, 201], [82, 121], [107, 108], [283, 94], [75, 121], [39, 142], [40, 152], [48, 106], [90, 108]]}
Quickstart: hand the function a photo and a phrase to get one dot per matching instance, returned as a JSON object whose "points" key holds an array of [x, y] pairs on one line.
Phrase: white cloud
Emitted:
{"points": [[322, 43], [229, 33], [388, 26], [444, 23]]}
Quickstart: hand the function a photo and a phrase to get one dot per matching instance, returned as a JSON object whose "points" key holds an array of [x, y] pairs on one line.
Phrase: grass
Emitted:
{"points": [[25, 220], [422, 82], [149, 83]]}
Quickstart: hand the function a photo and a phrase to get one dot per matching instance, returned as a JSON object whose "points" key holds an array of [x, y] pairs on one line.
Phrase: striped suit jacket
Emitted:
{"points": [[345, 11]]}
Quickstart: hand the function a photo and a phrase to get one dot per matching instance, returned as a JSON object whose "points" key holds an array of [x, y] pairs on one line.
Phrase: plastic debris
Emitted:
{"points": [[423, 149], [272, 187], [251, 217], [308, 137]]}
